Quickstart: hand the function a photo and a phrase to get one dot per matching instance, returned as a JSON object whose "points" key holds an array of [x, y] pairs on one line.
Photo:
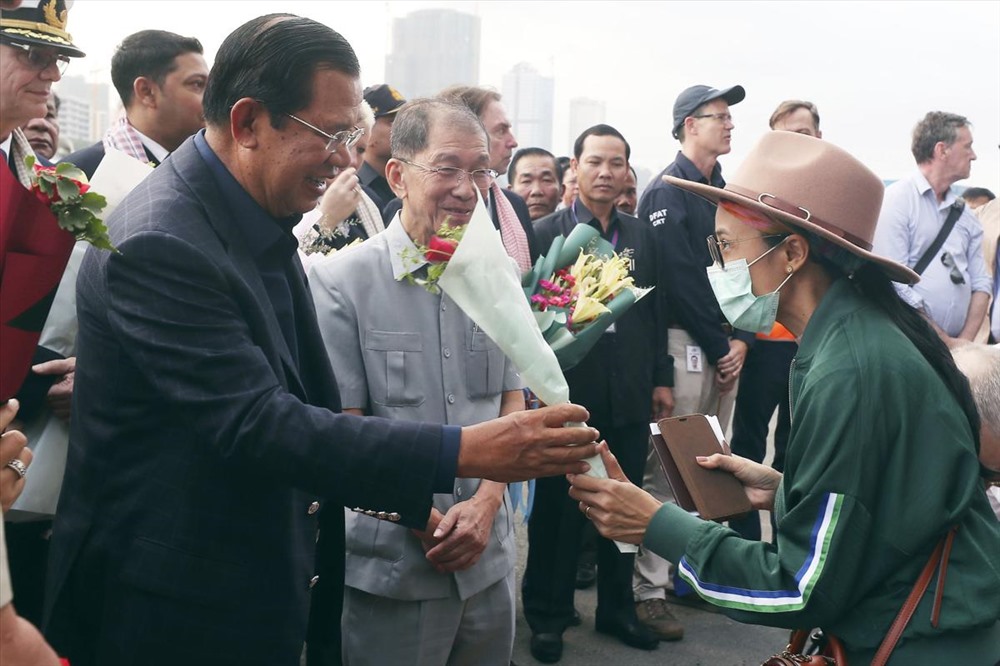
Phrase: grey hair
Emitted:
{"points": [[367, 118], [936, 127], [981, 365], [412, 127]]}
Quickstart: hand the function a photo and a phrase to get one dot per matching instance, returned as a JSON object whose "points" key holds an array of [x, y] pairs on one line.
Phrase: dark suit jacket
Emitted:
{"points": [[516, 202], [87, 159], [184, 532]]}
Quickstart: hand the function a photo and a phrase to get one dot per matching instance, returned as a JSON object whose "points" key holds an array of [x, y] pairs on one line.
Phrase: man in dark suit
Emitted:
{"points": [[160, 78], [623, 381], [205, 429]]}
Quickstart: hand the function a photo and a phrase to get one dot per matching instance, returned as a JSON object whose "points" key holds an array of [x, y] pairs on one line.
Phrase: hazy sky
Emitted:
{"points": [[872, 68]]}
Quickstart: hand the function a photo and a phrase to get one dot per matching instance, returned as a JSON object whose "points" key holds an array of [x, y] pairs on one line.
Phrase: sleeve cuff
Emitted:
{"points": [[669, 532], [444, 478]]}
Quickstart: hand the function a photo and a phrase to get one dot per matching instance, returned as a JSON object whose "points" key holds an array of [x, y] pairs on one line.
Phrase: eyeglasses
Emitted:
{"points": [[721, 117], [452, 176], [39, 59], [954, 273], [717, 247], [347, 137]]}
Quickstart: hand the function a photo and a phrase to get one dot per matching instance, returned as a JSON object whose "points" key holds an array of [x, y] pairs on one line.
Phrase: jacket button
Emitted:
{"points": [[451, 398], [447, 353], [313, 581], [313, 508], [458, 491]]}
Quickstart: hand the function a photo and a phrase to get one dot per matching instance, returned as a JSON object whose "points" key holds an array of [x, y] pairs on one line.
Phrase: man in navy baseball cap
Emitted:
{"points": [[691, 99]]}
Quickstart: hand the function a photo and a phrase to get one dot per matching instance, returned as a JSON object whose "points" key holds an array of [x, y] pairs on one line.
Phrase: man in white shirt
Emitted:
{"points": [[954, 290]]}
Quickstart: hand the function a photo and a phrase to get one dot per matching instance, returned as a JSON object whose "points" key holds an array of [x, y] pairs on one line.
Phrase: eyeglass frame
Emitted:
{"points": [[348, 138], [461, 173], [724, 117], [61, 60], [715, 246], [953, 271]]}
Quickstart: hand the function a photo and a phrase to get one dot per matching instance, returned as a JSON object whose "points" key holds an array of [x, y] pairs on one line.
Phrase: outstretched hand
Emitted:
{"points": [[528, 445], [619, 509]]}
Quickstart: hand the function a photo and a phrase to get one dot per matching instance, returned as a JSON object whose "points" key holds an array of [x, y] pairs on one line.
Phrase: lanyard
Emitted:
{"points": [[576, 220]]}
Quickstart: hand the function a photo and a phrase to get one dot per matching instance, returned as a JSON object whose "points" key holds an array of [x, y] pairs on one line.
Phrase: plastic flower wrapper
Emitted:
{"points": [[578, 290], [483, 281]]}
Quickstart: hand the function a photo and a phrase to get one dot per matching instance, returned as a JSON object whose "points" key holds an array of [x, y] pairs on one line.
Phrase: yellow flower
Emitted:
{"points": [[587, 309]]}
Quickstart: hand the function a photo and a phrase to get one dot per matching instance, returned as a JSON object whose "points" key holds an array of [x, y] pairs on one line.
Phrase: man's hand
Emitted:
{"points": [[663, 402], [426, 536], [464, 533], [527, 445], [12, 445], [341, 198], [60, 395]]}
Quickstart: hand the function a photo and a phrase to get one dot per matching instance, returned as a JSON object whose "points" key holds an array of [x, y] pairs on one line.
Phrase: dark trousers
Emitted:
{"points": [[763, 386], [554, 543], [28, 554]]}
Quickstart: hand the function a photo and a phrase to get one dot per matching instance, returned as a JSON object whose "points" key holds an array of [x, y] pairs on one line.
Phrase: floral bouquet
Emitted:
{"points": [[38, 228], [577, 291]]}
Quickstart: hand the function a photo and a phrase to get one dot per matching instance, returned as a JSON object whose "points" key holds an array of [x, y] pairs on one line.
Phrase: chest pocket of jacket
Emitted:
{"points": [[485, 366], [393, 360]]}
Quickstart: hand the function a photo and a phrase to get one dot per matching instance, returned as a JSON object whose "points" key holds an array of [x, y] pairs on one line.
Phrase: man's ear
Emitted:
{"points": [[394, 174], [246, 119], [144, 92]]}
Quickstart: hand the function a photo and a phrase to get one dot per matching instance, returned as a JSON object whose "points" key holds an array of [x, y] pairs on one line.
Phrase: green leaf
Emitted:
{"points": [[69, 170], [67, 189], [74, 219], [29, 161], [93, 202]]}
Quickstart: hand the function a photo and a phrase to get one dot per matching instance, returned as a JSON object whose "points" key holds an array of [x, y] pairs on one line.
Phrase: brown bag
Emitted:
{"points": [[832, 654]]}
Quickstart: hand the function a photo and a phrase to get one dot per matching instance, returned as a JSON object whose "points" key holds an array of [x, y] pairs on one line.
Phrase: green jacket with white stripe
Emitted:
{"points": [[881, 462]]}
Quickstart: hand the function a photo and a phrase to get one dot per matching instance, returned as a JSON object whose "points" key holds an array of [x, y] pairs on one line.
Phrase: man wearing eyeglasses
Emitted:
{"points": [[160, 77], [446, 591], [708, 355], [205, 440], [924, 225]]}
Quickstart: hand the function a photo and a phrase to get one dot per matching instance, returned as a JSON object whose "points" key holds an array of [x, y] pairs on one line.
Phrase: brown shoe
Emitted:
{"points": [[657, 617]]}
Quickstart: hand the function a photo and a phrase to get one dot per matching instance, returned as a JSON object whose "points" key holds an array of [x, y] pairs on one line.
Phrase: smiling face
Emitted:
{"points": [[536, 183], [429, 198], [601, 169], [290, 165], [24, 91]]}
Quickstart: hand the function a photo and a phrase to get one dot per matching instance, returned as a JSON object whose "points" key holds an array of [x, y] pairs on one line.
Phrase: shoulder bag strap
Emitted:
{"points": [[954, 211], [938, 557]]}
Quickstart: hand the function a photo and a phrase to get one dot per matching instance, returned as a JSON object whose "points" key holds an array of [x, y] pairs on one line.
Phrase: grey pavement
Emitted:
{"points": [[709, 638]]}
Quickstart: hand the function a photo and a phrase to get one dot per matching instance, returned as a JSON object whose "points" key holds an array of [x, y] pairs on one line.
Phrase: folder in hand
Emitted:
{"points": [[713, 494]]}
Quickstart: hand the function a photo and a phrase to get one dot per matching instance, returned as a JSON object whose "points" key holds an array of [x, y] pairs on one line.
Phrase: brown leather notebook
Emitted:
{"points": [[712, 493]]}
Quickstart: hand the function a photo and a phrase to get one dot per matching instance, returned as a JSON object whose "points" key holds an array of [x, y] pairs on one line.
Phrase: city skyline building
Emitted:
{"points": [[528, 97], [431, 50], [84, 112], [585, 112]]}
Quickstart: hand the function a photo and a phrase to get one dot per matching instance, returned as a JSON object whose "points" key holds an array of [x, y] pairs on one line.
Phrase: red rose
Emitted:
{"points": [[440, 250], [83, 186]]}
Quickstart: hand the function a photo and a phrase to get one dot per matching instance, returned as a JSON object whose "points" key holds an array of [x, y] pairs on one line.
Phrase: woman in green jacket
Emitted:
{"points": [[882, 459]]}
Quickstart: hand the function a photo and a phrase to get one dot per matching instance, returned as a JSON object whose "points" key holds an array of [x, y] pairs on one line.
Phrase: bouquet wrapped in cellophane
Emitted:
{"points": [[577, 291]]}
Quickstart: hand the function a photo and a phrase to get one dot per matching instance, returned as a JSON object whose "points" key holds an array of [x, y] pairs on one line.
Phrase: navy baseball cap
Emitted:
{"points": [[695, 96], [384, 99]]}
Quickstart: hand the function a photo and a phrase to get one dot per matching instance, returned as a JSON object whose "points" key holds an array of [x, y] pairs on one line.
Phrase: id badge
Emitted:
{"points": [[694, 358]]}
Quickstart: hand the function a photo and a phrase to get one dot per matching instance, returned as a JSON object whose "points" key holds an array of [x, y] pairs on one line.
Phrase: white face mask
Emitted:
{"points": [[734, 291]]}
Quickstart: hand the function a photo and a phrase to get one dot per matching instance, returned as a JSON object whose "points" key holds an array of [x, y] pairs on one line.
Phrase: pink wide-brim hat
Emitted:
{"points": [[813, 185]]}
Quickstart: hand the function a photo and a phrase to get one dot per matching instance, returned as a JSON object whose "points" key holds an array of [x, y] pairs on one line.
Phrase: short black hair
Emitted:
{"points": [[599, 130], [978, 193], [148, 53], [273, 59], [537, 152]]}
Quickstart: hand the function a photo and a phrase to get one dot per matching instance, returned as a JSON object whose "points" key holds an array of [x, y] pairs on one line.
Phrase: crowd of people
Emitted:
{"points": [[257, 440]]}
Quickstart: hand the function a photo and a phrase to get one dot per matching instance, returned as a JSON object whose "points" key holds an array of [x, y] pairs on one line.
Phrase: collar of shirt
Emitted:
{"points": [[582, 215], [159, 152], [692, 173], [404, 257], [264, 234], [924, 186]]}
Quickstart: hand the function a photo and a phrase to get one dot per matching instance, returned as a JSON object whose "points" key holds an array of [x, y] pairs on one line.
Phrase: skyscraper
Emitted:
{"points": [[583, 113], [84, 113], [528, 97], [433, 49]]}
